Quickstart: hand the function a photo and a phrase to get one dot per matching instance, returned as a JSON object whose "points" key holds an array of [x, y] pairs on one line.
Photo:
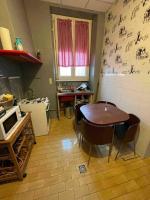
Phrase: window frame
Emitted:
{"points": [[55, 36]]}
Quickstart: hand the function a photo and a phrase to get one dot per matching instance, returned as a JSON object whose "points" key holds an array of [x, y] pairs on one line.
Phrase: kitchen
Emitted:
{"points": [[32, 77]]}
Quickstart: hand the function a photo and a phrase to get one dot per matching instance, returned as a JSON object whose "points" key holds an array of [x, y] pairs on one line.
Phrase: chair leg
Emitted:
{"points": [[89, 155], [77, 129], [80, 139], [110, 150], [134, 149], [118, 151]]}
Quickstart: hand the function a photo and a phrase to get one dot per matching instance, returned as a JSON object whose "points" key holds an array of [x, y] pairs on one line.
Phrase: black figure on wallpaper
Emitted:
{"points": [[125, 2], [108, 42], [141, 53], [109, 17], [122, 31], [144, 2], [139, 37], [147, 15], [134, 12], [118, 59], [121, 19], [128, 46], [117, 47], [133, 71], [103, 53], [106, 31], [104, 62]]}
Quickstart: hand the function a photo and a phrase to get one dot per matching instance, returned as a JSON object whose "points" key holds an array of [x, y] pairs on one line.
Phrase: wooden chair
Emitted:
{"points": [[107, 102], [126, 132], [97, 135]]}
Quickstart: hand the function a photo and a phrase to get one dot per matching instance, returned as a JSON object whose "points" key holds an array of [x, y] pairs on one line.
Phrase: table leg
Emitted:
{"points": [[75, 100], [58, 107], [91, 98]]}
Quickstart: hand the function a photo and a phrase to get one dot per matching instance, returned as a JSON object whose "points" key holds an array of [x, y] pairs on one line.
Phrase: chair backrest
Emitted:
{"points": [[98, 135], [106, 102], [78, 114], [132, 124]]}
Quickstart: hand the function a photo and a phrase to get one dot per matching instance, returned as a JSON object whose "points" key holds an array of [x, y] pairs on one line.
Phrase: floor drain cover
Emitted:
{"points": [[82, 169]]}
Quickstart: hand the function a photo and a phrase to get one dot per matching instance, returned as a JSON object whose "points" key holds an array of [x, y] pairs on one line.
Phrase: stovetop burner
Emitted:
{"points": [[36, 100]]}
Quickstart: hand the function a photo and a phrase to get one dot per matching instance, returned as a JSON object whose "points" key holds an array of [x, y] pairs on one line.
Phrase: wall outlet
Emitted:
{"points": [[50, 81]]}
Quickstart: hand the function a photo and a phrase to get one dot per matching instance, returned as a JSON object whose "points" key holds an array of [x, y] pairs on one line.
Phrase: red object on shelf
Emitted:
{"points": [[20, 56], [66, 98]]}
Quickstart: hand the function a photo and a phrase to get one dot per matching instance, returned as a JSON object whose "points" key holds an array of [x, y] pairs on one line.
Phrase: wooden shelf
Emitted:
{"points": [[4, 157], [17, 150], [19, 145], [23, 167], [20, 56], [9, 176]]}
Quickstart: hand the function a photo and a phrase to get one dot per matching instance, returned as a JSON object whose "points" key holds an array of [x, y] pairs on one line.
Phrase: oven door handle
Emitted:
{"points": [[48, 107]]}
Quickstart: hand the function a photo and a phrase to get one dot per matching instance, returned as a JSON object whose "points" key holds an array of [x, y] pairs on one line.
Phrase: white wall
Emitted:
{"points": [[130, 91]]}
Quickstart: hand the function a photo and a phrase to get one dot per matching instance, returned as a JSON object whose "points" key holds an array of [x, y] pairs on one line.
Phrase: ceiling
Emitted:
{"points": [[93, 5]]}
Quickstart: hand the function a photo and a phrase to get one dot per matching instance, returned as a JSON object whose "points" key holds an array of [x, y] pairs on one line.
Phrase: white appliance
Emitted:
{"points": [[9, 122], [5, 38], [39, 109]]}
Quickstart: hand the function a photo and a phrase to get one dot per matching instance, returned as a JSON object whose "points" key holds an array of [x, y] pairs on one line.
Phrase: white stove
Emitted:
{"points": [[36, 100], [39, 109]]}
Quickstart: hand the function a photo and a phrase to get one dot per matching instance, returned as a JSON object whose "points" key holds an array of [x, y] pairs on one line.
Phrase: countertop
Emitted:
{"points": [[87, 92]]}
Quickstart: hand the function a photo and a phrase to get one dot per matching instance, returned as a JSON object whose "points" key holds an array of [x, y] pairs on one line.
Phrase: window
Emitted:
{"points": [[72, 37]]}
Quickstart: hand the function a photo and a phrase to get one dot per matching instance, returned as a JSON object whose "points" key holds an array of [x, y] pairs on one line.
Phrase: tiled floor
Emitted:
{"points": [[53, 172]]}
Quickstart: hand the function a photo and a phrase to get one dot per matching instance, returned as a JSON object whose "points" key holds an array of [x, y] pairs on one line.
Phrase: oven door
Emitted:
{"points": [[9, 124]]}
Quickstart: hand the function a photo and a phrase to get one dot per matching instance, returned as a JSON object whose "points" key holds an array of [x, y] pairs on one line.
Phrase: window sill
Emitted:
{"points": [[72, 80]]}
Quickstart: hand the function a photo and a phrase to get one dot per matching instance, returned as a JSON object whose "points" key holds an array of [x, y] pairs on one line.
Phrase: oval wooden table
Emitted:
{"points": [[103, 114]]}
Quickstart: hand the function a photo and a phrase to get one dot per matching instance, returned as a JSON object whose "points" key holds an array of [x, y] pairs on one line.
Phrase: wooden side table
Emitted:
{"points": [[72, 96], [15, 152]]}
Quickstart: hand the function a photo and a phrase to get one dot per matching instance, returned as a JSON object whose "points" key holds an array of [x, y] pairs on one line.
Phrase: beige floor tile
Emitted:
{"points": [[21, 196], [93, 196], [42, 192], [118, 190], [52, 189], [67, 195], [143, 181], [131, 196], [72, 184], [81, 191], [50, 197]]}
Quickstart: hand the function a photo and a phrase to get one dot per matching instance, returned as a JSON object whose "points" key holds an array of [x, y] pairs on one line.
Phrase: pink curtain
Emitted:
{"points": [[65, 47], [81, 57]]}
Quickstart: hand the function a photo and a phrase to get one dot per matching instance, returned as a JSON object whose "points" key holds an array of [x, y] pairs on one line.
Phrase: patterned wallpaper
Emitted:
{"points": [[126, 48]]}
